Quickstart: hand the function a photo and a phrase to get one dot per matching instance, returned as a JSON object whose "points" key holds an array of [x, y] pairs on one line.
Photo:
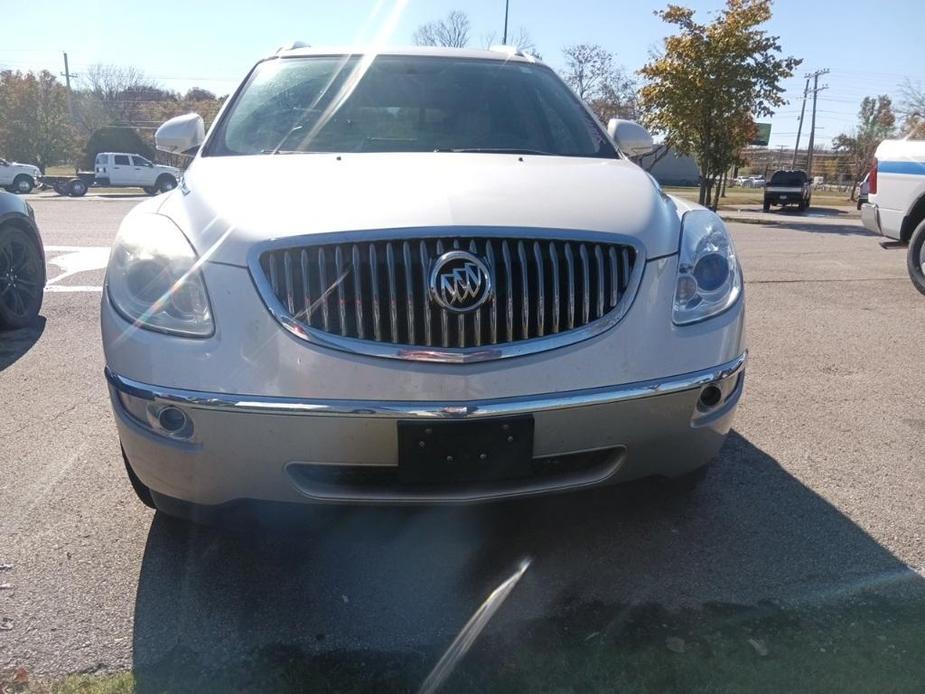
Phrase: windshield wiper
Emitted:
{"points": [[495, 150]]}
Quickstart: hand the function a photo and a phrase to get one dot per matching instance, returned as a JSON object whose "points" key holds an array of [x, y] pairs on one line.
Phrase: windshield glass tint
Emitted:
{"points": [[406, 104]]}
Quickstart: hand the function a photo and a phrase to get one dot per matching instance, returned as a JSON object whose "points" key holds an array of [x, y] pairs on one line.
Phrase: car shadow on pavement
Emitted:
{"points": [[798, 223], [632, 588], [15, 343]]}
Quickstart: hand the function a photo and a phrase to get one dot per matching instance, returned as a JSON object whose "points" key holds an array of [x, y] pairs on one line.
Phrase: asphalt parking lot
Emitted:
{"points": [[812, 513]]}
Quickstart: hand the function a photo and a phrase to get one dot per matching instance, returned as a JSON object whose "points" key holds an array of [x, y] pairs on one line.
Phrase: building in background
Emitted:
{"points": [[671, 168]]}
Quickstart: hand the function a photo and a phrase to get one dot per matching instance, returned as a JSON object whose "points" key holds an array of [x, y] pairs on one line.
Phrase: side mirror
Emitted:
{"points": [[632, 139], [181, 135]]}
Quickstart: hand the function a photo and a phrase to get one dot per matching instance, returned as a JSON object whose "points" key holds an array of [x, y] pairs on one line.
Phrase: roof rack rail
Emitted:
{"points": [[291, 46], [511, 51]]}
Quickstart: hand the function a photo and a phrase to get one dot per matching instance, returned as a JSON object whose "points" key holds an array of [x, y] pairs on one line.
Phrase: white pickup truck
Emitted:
{"points": [[123, 169], [896, 200], [16, 177], [117, 170]]}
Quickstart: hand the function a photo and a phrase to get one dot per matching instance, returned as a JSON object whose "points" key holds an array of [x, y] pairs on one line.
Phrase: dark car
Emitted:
{"points": [[788, 188], [22, 263]]}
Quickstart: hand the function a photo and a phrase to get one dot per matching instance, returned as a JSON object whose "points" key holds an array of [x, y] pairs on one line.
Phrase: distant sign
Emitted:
{"points": [[762, 134]]}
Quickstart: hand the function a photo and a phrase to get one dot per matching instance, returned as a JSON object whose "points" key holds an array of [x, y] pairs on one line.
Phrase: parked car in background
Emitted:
{"points": [[443, 340], [118, 170], [896, 200], [18, 178], [863, 190], [22, 263], [788, 188]]}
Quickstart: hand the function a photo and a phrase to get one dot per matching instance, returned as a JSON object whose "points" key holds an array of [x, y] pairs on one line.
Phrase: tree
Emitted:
{"points": [[591, 71], [913, 109], [34, 122], [876, 122], [452, 32], [711, 81], [199, 94], [120, 92]]}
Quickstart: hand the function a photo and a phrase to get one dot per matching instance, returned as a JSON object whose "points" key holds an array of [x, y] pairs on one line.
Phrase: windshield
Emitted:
{"points": [[406, 104]]}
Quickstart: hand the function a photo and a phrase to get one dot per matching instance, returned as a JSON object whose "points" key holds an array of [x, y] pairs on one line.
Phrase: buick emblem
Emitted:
{"points": [[460, 281]]}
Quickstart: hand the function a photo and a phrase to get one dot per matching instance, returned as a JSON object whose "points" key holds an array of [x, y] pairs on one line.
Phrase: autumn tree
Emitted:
{"points": [[34, 123], [913, 110], [593, 74], [452, 31], [710, 81], [876, 122]]}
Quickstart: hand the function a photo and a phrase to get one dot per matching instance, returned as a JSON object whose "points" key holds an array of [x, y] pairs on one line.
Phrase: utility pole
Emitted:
{"points": [[506, 7], [796, 147], [67, 81], [812, 129]]}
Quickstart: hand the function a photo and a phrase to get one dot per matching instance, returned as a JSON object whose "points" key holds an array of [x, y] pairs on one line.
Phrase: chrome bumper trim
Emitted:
{"points": [[410, 409]]}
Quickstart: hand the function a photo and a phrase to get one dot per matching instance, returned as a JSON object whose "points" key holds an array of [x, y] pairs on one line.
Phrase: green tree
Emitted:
{"points": [[34, 123], [703, 92], [876, 122]]}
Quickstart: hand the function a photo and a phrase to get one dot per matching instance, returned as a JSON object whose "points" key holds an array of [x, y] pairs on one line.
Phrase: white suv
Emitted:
{"points": [[18, 178], [462, 289]]}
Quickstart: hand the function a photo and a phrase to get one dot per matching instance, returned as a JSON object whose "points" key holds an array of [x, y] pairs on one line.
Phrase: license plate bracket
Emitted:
{"points": [[477, 451]]}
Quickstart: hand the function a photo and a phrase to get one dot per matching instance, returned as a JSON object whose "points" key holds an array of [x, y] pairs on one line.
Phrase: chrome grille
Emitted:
{"points": [[378, 291]]}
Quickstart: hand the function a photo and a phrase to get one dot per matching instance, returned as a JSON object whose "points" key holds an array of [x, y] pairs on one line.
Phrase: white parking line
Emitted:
{"points": [[63, 288], [72, 261]]}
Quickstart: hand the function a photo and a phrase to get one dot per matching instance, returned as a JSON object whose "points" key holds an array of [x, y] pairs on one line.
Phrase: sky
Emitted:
{"points": [[870, 48]]}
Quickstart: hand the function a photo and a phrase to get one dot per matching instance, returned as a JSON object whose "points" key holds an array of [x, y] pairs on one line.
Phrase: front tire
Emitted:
{"points": [[766, 207], [689, 481], [22, 184], [22, 278], [165, 183], [915, 258], [141, 490]]}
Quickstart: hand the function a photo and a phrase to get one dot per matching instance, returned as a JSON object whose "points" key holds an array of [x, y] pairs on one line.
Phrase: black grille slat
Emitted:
{"points": [[382, 288]]}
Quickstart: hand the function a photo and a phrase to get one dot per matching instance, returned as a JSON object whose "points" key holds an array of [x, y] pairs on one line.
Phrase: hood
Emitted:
{"points": [[233, 202], [25, 166]]}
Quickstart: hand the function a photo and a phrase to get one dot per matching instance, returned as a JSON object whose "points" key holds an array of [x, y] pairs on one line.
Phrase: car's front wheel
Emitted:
{"points": [[141, 490], [22, 278], [22, 184], [915, 259], [766, 207], [165, 183]]}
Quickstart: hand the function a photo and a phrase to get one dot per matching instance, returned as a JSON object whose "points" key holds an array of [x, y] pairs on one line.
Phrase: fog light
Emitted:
{"points": [[710, 397], [172, 419]]}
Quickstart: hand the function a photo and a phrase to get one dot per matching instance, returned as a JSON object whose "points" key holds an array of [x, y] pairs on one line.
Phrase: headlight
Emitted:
{"points": [[709, 278], [153, 278]]}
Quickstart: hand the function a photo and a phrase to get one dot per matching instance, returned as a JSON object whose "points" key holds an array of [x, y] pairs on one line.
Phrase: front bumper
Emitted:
{"points": [[291, 449]]}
